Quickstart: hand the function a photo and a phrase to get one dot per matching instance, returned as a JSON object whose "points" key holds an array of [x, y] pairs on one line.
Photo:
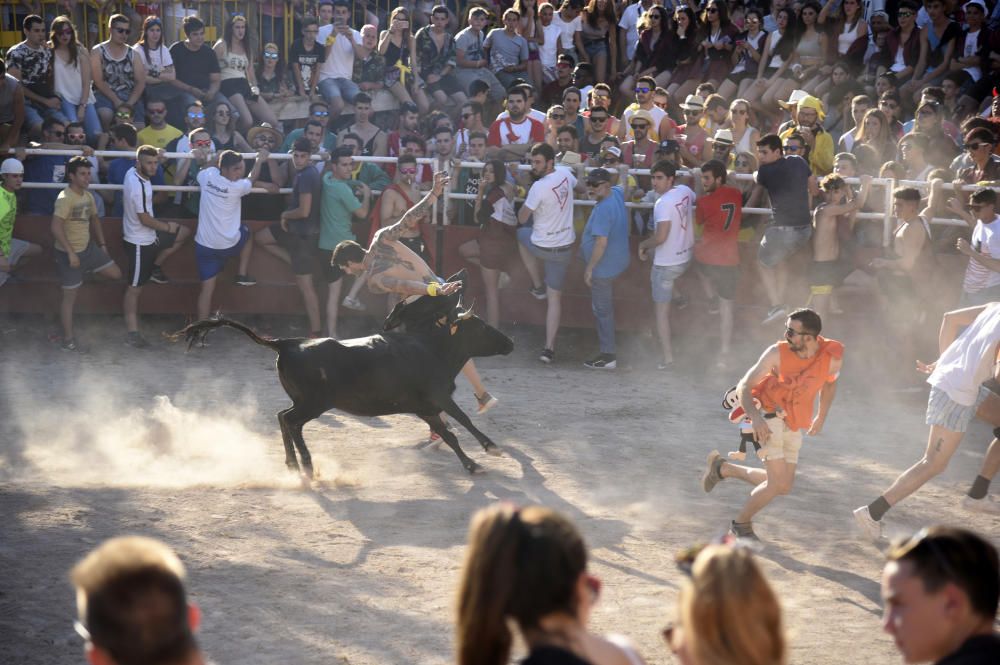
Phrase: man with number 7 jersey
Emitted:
{"points": [[717, 257], [671, 244]]}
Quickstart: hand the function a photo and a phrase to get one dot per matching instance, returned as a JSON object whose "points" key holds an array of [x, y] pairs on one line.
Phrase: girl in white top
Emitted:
{"points": [[159, 63], [745, 137], [849, 25], [239, 81], [71, 64]]}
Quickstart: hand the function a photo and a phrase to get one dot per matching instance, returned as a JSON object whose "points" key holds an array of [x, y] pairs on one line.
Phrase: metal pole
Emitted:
{"points": [[889, 186]]}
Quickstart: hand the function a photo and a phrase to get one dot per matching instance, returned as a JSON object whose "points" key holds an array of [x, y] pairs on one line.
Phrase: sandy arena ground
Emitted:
{"points": [[362, 568]]}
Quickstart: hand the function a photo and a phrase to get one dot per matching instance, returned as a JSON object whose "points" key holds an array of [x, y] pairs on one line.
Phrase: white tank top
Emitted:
{"points": [[846, 38], [744, 145], [776, 60], [968, 361]]}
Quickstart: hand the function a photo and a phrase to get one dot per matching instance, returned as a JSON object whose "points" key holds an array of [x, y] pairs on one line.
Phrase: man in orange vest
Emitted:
{"points": [[785, 382]]}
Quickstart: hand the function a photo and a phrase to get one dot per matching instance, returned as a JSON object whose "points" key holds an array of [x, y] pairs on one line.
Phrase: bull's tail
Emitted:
{"points": [[199, 329]]}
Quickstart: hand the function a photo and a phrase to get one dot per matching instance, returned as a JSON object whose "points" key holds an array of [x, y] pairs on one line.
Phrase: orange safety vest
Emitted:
{"points": [[794, 386]]}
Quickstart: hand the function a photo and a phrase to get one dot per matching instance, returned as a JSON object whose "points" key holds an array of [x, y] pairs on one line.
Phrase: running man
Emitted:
{"points": [[785, 381], [956, 378], [390, 266]]}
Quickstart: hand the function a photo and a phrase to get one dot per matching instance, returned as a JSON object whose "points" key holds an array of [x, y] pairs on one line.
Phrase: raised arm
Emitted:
{"points": [[412, 217]]}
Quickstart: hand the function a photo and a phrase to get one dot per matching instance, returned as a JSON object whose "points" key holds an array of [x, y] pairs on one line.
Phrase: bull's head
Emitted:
{"points": [[478, 338]]}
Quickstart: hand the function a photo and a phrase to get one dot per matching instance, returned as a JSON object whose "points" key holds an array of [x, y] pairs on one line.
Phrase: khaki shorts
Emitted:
{"points": [[784, 443]]}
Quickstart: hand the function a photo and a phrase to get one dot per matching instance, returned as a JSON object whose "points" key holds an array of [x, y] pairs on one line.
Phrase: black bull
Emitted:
{"points": [[378, 375]]}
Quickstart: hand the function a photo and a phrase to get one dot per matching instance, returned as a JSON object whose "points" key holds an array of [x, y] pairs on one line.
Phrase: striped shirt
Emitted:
{"points": [[137, 197]]}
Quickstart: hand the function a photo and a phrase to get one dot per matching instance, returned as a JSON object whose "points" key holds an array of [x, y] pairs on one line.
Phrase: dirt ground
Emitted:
{"points": [[362, 568]]}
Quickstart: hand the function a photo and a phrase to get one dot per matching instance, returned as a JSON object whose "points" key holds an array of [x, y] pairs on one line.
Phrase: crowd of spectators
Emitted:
{"points": [[720, 105], [526, 570]]}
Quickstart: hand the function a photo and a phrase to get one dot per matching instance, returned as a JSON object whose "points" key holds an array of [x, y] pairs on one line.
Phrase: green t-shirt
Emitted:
{"points": [[8, 210], [336, 212], [329, 140]]}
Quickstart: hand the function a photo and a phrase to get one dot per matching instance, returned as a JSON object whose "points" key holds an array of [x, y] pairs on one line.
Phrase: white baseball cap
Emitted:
{"points": [[11, 165]]}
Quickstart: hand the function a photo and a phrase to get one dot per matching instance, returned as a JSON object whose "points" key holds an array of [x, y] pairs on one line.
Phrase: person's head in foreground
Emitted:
{"points": [[940, 590], [727, 613], [526, 567], [132, 606]]}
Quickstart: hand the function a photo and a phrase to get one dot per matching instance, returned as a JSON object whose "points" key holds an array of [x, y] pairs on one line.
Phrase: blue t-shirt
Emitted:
{"points": [[44, 168], [610, 220], [117, 168]]}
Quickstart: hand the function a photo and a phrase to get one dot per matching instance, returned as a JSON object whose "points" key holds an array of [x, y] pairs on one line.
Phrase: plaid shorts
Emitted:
{"points": [[946, 413]]}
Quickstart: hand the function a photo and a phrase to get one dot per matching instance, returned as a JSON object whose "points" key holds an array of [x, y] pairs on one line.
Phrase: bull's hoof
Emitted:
{"points": [[493, 449], [474, 468]]}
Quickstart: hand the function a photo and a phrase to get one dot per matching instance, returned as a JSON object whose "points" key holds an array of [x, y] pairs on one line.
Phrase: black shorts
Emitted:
{"points": [[828, 274], [724, 279], [141, 257], [419, 247], [331, 273], [237, 86], [301, 249], [448, 84]]}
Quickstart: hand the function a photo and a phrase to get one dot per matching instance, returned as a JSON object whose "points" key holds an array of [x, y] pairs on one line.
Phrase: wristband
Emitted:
{"points": [[433, 289]]}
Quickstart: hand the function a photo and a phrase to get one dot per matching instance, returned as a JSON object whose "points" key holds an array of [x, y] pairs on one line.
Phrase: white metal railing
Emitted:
{"points": [[887, 184]]}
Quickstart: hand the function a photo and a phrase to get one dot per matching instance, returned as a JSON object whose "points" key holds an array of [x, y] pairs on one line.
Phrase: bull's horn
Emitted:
{"points": [[465, 315]]}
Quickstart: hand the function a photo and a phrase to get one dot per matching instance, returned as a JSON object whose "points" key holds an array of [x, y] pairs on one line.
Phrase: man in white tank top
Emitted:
{"points": [[956, 378]]}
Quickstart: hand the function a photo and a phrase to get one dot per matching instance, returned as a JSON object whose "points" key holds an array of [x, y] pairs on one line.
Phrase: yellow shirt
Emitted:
{"points": [[75, 211], [158, 138]]}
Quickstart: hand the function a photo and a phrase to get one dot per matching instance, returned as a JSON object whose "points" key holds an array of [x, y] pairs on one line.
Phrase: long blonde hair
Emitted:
{"points": [[729, 612], [522, 564]]}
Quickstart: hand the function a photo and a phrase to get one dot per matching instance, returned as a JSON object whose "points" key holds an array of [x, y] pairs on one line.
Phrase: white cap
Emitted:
{"points": [[11, 165], [976, 2]]}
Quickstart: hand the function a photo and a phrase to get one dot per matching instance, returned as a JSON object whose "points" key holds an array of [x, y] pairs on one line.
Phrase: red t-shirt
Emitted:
{"points": [[720, 212]]}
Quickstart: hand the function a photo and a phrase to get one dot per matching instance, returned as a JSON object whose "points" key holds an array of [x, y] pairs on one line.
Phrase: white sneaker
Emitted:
{"points": [[870, 529], [987, 505], [503, 281], [353, 303]]}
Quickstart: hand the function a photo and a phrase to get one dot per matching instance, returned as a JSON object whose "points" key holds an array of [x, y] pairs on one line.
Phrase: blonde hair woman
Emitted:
{"points": [[728, 613], [528, 567]]}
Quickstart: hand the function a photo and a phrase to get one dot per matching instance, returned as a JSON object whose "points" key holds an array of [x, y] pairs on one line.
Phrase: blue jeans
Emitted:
{"points": [[91, 123], [35, 114], [138, 109], [340, 88], [603, 304]]}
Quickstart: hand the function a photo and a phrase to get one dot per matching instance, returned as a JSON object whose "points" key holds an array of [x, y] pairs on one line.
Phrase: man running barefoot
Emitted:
{"points": [[785, 381], [389, 266], [956, 379]]}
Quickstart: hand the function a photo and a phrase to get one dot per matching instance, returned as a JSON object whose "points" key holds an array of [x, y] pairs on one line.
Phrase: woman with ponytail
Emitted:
{"points": [[528, 567]]}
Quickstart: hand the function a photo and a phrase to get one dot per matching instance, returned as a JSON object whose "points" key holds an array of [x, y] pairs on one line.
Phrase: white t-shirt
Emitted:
{"points": [[968, 361], [654, 131], [137, 196], [630, 24], [567, 30], [971, 42], [551, 199], [157, 61], [219, 209], [676, 207], [549, 51], [985, 239], [339, 63]]}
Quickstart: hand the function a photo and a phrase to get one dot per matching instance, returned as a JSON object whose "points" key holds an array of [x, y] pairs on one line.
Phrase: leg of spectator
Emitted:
{"points": [[266, 241], [245, 121], [491, 287], [91, 122], [470, 372], [131, 308], [941, 445], [333, 308], [725, 325], [245, 254], [553, 314], [183, 233], [532, 265], [331, 93], [780, 477], [262, 112], [535, 74], [663, 330], [603, 305], [627, 87], [311, 301], [769, 279], [727, 90], [420, 97], [66, 312], [662, 80], [398, 91], [205, 297], [32, 120]]}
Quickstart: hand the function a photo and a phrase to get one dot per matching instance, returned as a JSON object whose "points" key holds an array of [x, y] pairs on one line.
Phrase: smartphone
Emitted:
{"points": [[404, 24]]}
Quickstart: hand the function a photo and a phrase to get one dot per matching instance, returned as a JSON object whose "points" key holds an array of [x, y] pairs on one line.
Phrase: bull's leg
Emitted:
{"points": [[295, 418], [286, 438], [448, 406], [449, 437]]}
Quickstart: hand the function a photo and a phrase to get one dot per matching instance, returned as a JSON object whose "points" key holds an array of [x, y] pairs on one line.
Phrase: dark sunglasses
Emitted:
{"points": [[712, 10], [974, 146], [598, 118], [639, 125], [124, 31], [642, 90], [155, 23], [558, 116], [792, 148], [271, 56]]}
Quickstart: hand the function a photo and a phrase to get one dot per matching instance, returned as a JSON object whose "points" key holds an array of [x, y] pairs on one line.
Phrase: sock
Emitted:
{"points": [[980, 486], [878, 508]]}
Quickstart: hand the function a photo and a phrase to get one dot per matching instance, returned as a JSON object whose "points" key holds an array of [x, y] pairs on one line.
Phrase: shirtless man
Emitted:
{"points": [[391, 266], [832, 222], [785, 381]]}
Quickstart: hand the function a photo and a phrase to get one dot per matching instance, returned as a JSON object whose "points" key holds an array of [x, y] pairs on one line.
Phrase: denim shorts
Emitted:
{"points": [[662, 279], [555, 259], [946, 413], [780, 242]]}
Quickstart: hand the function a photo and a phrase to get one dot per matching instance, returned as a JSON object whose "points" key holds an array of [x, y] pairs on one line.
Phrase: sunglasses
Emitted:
{"points": [[155, 23], [321, 114], [124, 31], [642, 90], [712, 10], [123, 114], [558, 116], [408, 170], [601, 118], [76, 137], [196, 116], [610, 161], [639, 125], [691, 112], [204, 143], [904, 14], [271, 56], [792, 148], [974, 146]]}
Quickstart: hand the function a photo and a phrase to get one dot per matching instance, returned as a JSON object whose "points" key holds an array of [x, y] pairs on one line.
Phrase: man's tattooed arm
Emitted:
{"points": [[412, 217]]}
